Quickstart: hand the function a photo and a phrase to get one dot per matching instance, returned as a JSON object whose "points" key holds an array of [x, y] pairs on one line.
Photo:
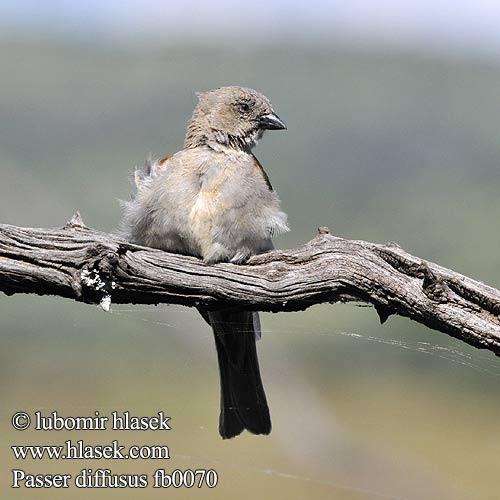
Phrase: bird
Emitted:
{"points": [[213, 200]]}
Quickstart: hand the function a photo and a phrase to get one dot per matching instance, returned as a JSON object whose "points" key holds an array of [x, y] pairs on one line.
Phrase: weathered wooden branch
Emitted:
{"points": [[90, 266]]}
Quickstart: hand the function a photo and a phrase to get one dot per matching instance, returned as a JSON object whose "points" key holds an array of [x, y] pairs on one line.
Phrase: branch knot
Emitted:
{"points": [[433, 286]]}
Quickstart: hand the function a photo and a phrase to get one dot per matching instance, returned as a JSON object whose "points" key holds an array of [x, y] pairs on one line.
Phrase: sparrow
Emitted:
{"points": [[213, 200]]}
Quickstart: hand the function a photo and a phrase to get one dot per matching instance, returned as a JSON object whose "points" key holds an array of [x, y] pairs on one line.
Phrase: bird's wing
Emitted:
{"points": [[262, 172]]}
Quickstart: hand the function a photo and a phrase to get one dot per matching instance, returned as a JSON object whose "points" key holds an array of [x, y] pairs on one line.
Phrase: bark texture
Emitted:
{"points": [[90, 266]]}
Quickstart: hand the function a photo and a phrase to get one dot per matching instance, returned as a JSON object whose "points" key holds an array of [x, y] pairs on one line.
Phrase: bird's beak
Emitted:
{"points": [[271, 121]]}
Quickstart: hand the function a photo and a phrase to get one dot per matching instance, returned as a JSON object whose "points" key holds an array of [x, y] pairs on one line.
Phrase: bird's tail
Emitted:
{"points": [[243, 401]]}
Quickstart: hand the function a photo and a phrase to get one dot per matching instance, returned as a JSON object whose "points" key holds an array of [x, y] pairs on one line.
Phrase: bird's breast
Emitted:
{"points": [[208, 210], [231, 207]]}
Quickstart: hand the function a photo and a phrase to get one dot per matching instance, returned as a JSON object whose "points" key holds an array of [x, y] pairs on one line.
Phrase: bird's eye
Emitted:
{"points": [[244, 106]]}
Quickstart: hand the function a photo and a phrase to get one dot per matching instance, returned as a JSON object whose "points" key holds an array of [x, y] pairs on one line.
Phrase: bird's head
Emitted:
{"points": [[234, 117]]}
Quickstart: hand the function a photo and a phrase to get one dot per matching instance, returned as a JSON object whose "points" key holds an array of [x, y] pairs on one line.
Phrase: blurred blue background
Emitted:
{"points": [[393, 122]]}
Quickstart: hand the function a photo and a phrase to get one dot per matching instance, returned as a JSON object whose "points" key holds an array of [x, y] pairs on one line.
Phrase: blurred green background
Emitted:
{"points": [[381, 145]]}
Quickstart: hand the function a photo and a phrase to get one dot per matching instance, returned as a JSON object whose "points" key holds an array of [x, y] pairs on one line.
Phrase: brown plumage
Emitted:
{"points": [[214, 200]]}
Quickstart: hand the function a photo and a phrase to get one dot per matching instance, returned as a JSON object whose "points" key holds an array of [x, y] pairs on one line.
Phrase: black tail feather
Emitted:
{"points": [[243, 401]]}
